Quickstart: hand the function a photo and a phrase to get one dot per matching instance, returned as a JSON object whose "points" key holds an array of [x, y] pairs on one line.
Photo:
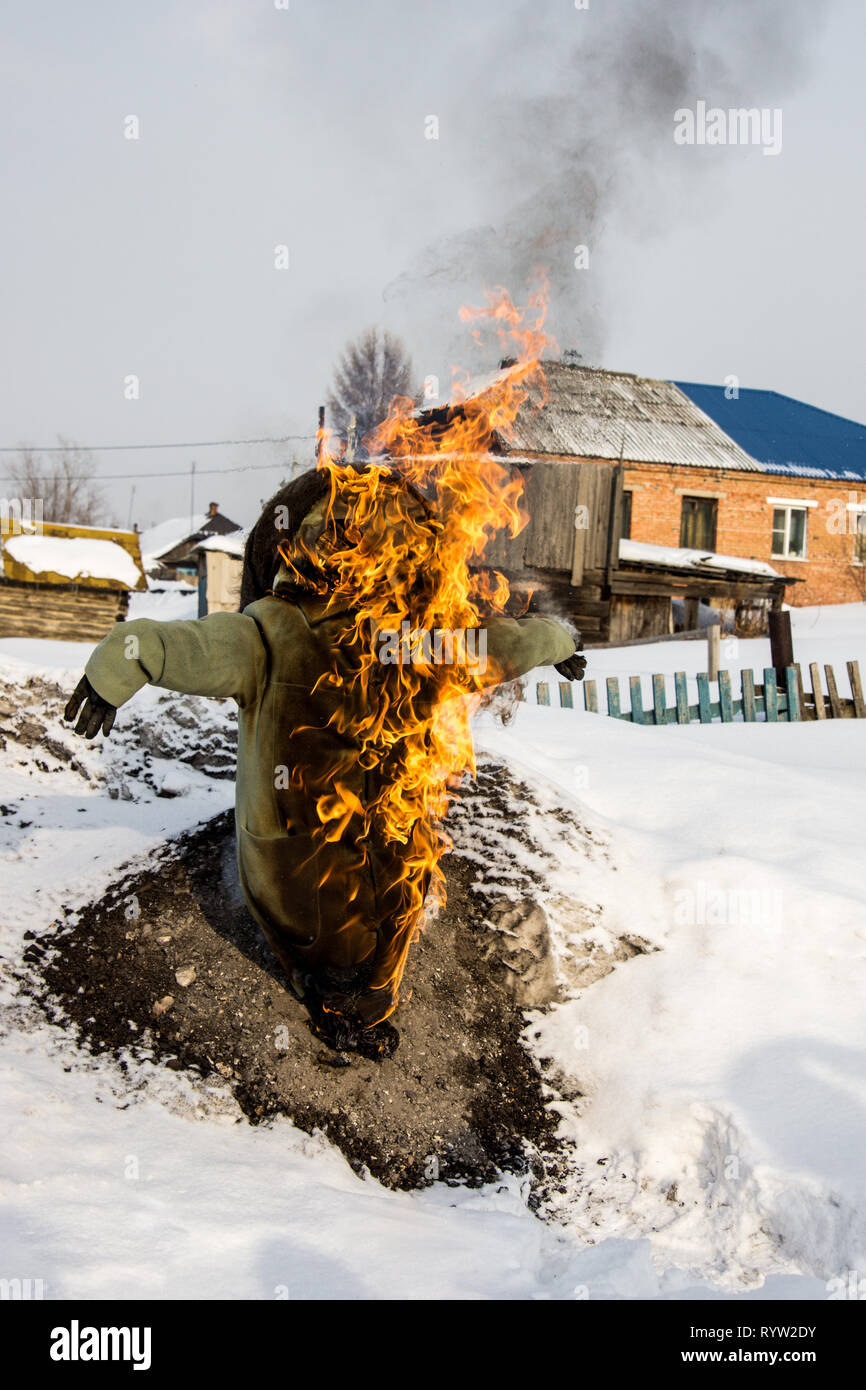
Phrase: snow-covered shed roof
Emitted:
{"points": [[158, 540], [58, 558], [675, 557], [174, 540], [231, 544]]}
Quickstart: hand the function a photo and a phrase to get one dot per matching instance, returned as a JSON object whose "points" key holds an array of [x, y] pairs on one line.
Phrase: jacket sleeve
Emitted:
{"points": [[516, 645], [220, 655]]}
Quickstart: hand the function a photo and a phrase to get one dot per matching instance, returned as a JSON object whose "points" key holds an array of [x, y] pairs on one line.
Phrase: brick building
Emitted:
{"points": [[812, 494], [764, 478]]}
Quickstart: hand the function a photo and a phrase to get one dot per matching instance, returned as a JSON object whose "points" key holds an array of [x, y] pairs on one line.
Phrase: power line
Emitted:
{"points": [[101, 448], [169, 473], [166, 473]]}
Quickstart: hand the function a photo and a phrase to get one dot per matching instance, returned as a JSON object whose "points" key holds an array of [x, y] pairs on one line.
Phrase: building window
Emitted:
{"points": [[698, 523], [860, 539], [625, 529], [789, 533]]}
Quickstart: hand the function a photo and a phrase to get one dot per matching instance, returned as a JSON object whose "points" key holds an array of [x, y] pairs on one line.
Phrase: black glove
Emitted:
{"points": [[97, 713], [574, 666]]}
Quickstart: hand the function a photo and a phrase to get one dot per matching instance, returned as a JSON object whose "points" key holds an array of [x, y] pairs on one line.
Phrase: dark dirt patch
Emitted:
{"points": [[460, 1099]]}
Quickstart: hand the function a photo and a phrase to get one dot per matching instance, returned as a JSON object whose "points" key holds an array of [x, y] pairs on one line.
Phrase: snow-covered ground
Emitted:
{"points": [[718, 1136]]}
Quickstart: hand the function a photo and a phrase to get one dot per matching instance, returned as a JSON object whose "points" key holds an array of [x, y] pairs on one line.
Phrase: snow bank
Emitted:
{"points": [[166, 603], [724, 1110]]}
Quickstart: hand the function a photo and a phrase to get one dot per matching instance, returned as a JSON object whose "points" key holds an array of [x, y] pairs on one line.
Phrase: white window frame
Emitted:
{"points": [[859, 510], [780, 505]]}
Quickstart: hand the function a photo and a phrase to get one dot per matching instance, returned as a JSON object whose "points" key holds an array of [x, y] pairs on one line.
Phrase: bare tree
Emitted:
{"points": [[371, 371], [66, 482]]}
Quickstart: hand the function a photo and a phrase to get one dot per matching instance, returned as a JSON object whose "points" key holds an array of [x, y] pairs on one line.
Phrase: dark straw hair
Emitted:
{"points": [[261, 555]]}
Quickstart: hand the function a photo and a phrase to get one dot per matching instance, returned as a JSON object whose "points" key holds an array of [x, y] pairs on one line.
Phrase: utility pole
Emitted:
{"points": [[320, 431], [352, 440]]}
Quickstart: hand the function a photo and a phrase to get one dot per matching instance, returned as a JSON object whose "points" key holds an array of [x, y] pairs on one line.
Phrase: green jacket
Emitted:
{"points": [[269, 659]]}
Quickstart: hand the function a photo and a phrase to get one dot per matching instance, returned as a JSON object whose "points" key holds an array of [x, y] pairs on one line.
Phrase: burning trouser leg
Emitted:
{"points": [[345, 955], [334, 991], [337, 1002], [349, 1005]]}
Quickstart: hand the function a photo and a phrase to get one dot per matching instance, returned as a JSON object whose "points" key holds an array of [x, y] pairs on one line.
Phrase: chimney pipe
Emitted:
{"points": [[213, 508]]}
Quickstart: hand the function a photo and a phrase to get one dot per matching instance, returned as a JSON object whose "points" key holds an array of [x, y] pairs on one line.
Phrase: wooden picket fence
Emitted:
{"points": [[773, 701]]}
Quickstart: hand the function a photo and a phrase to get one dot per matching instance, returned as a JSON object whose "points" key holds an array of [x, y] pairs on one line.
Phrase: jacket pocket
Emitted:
{"points": [[279, 879], [319, 900]]}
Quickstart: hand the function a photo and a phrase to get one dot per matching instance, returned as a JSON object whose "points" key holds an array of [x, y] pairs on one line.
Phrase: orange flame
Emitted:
{"points": [[396, 551]]}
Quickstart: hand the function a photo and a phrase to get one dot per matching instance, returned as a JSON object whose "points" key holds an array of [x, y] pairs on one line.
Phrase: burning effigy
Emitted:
{"points": [[367, 636]]}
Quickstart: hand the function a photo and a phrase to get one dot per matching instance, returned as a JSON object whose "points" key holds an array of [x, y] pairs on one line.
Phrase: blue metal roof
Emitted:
{"points": [[785, 435]]}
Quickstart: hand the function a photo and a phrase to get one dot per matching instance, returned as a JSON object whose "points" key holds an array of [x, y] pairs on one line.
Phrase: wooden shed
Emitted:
{"points": [[571, 559], [64, 581], [220, 569], [170, 549]]}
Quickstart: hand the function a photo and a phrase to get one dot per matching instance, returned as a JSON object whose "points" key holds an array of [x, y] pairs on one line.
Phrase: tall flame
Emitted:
{"points": [[399, 540]]}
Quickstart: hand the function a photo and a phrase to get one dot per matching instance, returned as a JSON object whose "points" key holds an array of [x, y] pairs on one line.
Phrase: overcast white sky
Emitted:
{"points": [[261, 126]]}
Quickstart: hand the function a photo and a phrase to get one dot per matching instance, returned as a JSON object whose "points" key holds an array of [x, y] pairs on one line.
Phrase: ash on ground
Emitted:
{"points": [[171, 967]]}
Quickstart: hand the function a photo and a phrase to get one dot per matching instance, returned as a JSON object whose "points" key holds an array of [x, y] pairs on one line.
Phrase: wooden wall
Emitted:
{"points": [[557, 537], [633, 617], [562, 553], [599, 498], [222, 574], [65, 613]]}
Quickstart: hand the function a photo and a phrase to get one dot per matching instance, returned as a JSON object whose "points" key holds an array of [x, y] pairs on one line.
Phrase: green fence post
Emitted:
{"points": [[771, 697], [747, 681], [725, 708], [704, 698], [682, 696], [795, 714], [613, 708], [637, 710], [659, 697]]}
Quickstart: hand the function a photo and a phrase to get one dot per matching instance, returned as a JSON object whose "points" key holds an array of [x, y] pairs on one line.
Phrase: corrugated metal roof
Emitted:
{"points": [[786, 435], [591, 413]]}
